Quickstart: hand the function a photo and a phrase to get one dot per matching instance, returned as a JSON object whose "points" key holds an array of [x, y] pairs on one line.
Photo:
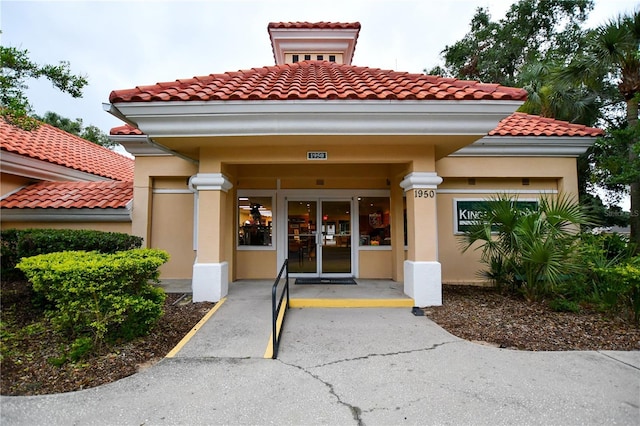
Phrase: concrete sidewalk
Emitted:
{"points": [[367, 366]]}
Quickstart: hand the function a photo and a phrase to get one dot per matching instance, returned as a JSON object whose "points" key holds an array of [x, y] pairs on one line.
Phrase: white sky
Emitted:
{"points": [[120, 45]]}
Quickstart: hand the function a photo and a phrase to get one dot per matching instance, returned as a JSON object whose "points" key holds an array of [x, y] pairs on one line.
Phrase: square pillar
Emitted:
{"points": [[422, 271], [210, 281]]}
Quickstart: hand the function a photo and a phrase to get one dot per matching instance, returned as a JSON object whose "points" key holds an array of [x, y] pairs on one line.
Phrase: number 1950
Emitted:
{"points": [[424, 193]]}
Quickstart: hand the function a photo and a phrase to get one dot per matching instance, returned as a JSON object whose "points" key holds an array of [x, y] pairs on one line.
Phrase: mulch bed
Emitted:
{"points": [[31, 374], [484, 315]]}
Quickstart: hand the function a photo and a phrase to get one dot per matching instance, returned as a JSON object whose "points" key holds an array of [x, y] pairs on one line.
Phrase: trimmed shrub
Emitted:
{"points": [[17, 244], [105, 296], [620, 288]]}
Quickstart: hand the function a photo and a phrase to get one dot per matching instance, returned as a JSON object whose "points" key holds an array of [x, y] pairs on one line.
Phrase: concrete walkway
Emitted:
{"points": [[360, 366]]}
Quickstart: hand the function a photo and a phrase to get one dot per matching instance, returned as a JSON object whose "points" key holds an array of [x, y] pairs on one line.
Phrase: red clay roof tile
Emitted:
{"points": [[126, 130], [521, 124], [316, 25], [67, 195], [316, 80], [50, 144]]}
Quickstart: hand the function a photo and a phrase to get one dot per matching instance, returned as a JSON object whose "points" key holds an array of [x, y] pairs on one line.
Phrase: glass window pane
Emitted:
{"points": [[255, 215], [375, 221]]}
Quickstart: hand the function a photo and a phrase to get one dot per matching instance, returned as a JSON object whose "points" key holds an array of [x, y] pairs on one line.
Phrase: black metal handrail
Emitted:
{"points": [[275, 309]]}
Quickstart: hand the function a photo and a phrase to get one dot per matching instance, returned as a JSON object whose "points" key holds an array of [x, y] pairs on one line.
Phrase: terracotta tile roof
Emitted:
{"points": [[50, 144], [316, 80], [316, 25], [521, 124], [67, 195], [127, 130]]}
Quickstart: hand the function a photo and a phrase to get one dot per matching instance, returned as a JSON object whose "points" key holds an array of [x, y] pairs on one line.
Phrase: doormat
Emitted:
{"points": [[334, 281]]}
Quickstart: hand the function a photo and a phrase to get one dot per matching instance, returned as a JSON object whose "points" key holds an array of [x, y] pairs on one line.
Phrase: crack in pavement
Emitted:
{"points": [[356, 411], [435, 346]]}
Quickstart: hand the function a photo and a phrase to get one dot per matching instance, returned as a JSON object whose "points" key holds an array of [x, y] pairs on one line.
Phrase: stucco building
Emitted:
{"points": [[344, 170]]}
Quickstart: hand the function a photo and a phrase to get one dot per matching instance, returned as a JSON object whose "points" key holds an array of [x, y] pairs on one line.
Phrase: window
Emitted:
{"points": [[332, 58], [255, 216], [320, 57], [307, 57], [375, 221], [296, 58]]}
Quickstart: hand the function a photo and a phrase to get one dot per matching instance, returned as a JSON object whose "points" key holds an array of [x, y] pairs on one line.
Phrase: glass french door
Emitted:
{"points": [[319, 237]]}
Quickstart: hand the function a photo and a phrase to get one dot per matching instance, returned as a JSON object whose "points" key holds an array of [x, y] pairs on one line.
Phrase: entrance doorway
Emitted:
{"points": [[319, 237]]}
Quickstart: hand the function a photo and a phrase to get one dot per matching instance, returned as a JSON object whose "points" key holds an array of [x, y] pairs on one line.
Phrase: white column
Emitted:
{"points": [[210, 281], [422, 271]]}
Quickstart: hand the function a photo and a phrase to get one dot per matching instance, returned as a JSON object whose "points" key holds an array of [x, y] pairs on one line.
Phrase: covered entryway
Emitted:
{"points": [[319, 233]]}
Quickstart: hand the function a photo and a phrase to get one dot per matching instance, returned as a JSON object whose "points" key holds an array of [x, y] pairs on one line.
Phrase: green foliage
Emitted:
{"points": [[7, 341], [105, 296], [613, 166], [16, 244], [76, 127], [564, 305], [16, 69], [529, 249], [620, 288], [602, 281], [74, 352], [532, 31]]}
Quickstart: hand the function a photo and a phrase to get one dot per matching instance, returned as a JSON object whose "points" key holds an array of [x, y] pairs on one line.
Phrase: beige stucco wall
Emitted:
{"points": [[146, 170], [172, 225], [255, 264], [375, 263], [9, 183]]}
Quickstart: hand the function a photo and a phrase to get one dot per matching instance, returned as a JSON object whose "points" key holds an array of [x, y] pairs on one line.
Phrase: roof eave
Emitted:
{"points": [[316, 117], [527, 146], [32, 168]]}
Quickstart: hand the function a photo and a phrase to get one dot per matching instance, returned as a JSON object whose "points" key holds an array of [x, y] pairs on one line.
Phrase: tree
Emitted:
{"points": [[532, 31], [90, 133], [612, 56], [16, 69]]}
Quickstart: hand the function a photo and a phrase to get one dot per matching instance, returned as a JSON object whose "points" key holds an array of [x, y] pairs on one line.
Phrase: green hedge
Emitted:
{"points": [[17, 244], [105, 296], [620, 288]]}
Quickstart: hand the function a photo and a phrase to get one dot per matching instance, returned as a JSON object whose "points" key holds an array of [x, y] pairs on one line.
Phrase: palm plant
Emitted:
{"points": [[531, 249]]}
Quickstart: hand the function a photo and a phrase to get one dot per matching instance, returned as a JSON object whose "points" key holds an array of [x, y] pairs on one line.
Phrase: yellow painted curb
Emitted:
{"points": [[351, 303], [268, 353], [195, 328]]}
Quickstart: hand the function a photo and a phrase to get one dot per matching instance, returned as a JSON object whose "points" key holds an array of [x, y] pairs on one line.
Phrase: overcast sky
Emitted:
{"points": [[120, 45]]}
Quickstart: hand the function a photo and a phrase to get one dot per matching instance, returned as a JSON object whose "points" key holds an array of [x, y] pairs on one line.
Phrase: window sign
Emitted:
{"points": [[467, 212]]}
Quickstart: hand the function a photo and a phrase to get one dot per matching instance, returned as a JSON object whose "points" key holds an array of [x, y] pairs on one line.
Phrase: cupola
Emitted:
{"points": [[308, 41]]}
